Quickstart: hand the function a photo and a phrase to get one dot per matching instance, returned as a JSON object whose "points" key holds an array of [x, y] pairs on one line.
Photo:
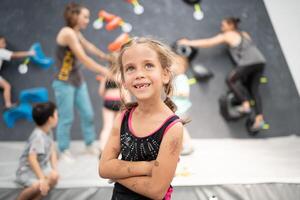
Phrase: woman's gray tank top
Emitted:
{"points": [[246, 53]]}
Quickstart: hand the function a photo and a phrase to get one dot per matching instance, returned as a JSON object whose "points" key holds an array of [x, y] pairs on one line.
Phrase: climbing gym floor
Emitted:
{"points": [[230, 169]]}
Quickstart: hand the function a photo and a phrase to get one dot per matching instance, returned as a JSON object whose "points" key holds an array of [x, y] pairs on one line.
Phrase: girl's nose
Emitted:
{"points": [[140, 74]]}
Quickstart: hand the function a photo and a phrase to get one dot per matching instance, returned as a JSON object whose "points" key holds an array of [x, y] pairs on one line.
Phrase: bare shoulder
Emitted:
{"points": [[172, 140], [67, 30], [176, 128], [231, 37], [174, 131], [229, 34], [65, 34]]}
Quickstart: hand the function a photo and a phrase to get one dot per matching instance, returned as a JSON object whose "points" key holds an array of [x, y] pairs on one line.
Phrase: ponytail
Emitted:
{"points": [[170, 104]]}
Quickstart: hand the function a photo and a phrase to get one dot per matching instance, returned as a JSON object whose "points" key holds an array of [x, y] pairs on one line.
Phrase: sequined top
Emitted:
{"points": [[134, 148]]}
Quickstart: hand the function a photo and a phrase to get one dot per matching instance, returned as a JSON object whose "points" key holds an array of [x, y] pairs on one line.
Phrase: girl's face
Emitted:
{"points": [[144, 76], [83, 18]]}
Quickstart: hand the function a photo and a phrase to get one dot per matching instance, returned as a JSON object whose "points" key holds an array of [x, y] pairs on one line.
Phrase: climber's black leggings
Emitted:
{"points": [[244, 83]]}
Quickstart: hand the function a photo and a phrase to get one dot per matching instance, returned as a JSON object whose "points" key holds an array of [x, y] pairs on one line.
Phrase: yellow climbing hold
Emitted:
{"points": [[192, 81]]}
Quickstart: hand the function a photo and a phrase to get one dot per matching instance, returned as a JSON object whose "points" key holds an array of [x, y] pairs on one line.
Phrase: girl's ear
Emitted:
{"points": [[166, 76]]}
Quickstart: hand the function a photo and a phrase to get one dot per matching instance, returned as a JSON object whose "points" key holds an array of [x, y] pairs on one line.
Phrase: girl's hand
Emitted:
{"points": [[44, 187]]}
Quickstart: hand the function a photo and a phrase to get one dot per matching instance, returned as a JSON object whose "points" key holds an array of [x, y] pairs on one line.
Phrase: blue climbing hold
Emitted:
{"points": [[34, 95], [22, 111], [40, 58]]}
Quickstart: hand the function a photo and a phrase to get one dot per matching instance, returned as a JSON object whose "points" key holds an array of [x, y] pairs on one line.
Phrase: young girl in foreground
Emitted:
{"points": [[147, 134]]}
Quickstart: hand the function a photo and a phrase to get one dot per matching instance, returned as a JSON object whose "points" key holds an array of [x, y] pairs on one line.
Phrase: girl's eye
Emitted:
{"points": [[129, 69], [149, 66]]}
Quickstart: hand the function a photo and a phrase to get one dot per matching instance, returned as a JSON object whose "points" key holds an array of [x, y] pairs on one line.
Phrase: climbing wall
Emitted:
{"points": [[26, 22]]}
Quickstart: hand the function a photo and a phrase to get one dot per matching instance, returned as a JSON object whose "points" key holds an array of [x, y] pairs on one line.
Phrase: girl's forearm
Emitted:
{"points": [[117, 169], [145, 186]]}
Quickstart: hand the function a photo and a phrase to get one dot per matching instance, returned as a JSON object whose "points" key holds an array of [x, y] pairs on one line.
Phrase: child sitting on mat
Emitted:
{"points": [[37, 170]]}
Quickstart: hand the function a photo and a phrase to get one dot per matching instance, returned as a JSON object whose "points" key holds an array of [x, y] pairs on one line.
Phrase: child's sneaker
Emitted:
{"points": [[92, 149], [67, 156]]}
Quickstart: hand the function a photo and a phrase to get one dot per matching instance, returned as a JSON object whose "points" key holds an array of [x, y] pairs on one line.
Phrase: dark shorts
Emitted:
{"points": [[113, 105], [122, 193]]}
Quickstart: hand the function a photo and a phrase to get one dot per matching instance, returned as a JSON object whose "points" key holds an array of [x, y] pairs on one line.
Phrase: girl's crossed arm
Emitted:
{"points": [[156, 185], [111, 167]]}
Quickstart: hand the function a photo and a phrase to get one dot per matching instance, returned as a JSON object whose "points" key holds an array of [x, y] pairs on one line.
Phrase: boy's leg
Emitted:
{"points": [[64, 95], [6, 92], [84, 106], [30, 192], [53, 179]]}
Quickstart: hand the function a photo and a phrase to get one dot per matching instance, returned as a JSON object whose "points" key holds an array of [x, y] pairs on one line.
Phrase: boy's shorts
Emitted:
{"points": [[27, 178]]}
